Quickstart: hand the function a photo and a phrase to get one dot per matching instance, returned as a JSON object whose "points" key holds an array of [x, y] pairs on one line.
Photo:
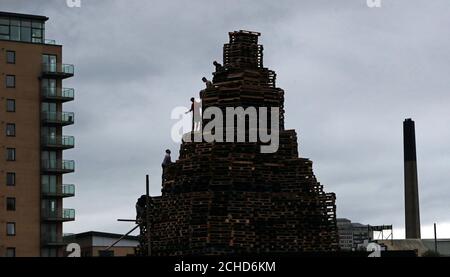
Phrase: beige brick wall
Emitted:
{"points": [[27, 142]]}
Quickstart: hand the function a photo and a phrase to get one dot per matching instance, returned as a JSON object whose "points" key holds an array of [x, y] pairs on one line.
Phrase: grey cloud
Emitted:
{"points": [[351, 75]]}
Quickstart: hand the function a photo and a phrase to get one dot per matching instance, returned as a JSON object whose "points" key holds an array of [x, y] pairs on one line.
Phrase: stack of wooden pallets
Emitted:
{"points": [[224, 198]]}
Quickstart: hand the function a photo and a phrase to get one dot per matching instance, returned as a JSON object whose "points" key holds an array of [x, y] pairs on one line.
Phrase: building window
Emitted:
{"points": [[11, 179], [10, 252], [25, 32], [49, 87], [10, 154], [10, 81], [49, 233], [106, 253], [4, 28], [10, 204], [11, 229], [11, 57], [36, 35], [10, 130], [49, 183], [49, 208], [15, 33], [22, 30], [10, 105], [49, 62], [4, 31]]}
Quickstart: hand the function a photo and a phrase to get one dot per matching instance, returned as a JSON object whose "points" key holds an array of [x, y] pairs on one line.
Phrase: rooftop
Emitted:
{"points": [[23, 16], [421, 245], [99, 234], [25, 28]]}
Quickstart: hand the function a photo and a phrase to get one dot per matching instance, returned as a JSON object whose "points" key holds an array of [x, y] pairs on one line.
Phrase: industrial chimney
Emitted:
{"points": [[412, 216]]}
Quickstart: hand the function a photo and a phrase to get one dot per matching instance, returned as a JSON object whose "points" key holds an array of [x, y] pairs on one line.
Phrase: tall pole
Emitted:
{"points": [[435, 239], [147, 214]]}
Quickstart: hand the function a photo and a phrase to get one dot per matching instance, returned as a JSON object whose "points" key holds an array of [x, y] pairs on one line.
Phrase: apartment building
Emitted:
{"points": [[32, 140]]}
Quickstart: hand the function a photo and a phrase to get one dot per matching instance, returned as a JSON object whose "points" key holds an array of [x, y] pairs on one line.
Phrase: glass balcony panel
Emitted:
{"points": [[52, 68], [68, 165], [64, 214], [68, 214], [58, 117], [50, 41], [64, 94], [58, 141], [58, 191], [68, 68], [69, 189], [52, 239], [58, 165], [68, 93]]}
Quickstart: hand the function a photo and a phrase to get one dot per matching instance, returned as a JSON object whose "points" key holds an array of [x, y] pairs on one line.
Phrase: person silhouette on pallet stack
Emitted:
{"points": [[167, 161], [196, 117]]}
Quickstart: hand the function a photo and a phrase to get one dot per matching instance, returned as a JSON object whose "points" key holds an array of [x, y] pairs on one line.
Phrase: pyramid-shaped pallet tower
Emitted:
{"points": [[228, 198]]}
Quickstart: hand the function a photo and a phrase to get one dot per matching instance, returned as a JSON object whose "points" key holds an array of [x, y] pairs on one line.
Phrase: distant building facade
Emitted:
{"points": [[345, 232], [94, 244], [353, 236], [361, 233]]}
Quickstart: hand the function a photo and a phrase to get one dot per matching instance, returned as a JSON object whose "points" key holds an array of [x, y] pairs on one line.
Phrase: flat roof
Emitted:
{"points": [[99, 234], [23, 16]]}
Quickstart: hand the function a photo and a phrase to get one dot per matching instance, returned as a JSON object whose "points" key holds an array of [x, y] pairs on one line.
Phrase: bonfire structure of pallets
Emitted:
{"points": [[229, 198]]}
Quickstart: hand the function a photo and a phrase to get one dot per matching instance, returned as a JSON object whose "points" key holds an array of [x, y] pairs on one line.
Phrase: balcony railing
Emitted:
{"points": [[50, 41], [61, 191], [58, 118], [58, 142], [69, 214], [68, 190], [58, 70], [60, 94], [53, 239], [58, 215], [58, 166]]}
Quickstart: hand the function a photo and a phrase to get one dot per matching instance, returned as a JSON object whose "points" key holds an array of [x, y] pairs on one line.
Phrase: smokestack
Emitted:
{"points": [[412, 216]]}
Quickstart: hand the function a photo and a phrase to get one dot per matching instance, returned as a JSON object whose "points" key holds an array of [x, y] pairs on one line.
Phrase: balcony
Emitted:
{"points": [[57, 166], [58, 118], [57, 70], [58, 94], [62, 191], [58, 142], [52, 240], [58, 215]]}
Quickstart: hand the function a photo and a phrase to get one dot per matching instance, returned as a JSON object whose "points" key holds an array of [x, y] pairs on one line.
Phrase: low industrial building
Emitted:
{"points": [[95, 244], [420, 246]]}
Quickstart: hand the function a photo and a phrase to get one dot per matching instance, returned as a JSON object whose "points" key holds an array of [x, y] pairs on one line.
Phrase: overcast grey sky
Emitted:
{"points": [[352, 74]]}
